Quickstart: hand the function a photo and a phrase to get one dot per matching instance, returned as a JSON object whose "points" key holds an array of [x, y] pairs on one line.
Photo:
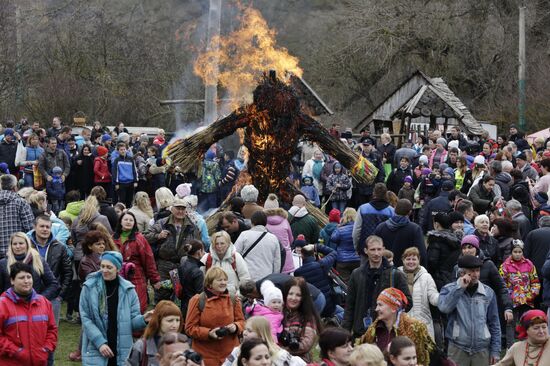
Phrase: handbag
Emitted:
{"points": [[20, 154]]}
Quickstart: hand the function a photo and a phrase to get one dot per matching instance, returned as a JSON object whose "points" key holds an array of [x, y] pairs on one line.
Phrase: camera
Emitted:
{"points": [[289, 340], [193, 356], [222, 332]]}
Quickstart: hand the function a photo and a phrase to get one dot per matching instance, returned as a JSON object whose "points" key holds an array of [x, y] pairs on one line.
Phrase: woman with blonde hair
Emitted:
{"points": [[347, 259], [20, 250], [258, 327], [367, 355], [81, 225], [163, 199], [38, 200], [142, 210], [223, 254], [214, 319]]}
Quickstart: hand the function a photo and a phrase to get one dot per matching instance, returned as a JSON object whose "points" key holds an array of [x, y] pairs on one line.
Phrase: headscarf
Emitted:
{"points": [[527, 319], [395, 299]]}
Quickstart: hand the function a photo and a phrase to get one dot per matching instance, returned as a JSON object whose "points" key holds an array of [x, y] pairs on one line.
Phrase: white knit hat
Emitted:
{"points": [[270, 292], [249, 193], [480, 159], [271, 202]]}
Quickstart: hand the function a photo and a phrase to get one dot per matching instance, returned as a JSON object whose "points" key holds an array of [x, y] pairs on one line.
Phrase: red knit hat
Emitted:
{"points": [[102, 150], [394, 298], [334, 216]]}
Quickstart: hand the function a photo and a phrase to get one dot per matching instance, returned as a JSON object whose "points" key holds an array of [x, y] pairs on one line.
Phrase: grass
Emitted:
{"points": [[67, 340]]}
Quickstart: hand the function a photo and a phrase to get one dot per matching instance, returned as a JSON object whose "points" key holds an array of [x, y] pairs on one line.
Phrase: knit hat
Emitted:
{"points": [[426, 171], [106, 138], [521, 156], [423, 159], [102, 150], [443, 166], [517, 243], [529, 318], [469, 261], [334, 216], [450, 171], [470, 239], [123, 137], [9, 132], [270, 292], [541, 197], [183, 190], [408, 179], [249, 193], [57, 170], [453, 143], [113, 257], [441, 141], [271, 202], [210, 155], [447, 186], [4, 168], [394, 298], [300, 241], [480, 159]]}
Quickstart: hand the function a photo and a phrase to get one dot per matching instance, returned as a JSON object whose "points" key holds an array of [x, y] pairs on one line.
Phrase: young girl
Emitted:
{"points": [[520, 276], [271, 308], [407, 191], [310, 192], [338, 184]]}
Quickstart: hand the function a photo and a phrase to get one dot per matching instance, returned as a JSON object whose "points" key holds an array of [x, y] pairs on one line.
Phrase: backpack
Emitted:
{"points": [[209, 260], [202, 300], [209, 178]]}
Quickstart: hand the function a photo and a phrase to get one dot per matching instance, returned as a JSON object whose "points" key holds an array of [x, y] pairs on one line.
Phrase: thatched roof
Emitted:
{"points": [[419, 95], [309, 97]]}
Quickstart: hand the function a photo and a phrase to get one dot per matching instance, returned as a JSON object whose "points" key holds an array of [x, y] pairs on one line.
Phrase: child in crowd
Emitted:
{"points": [[338, 184], [271, 308], [520, 276], [388, 254], [309, 191], [56, 190], [407, 191]]}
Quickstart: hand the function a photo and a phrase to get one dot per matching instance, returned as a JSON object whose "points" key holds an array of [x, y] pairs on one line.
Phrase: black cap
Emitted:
{"points": [[447, 186], [367, 141], [521, 156], [346, 135], [455, 216], [469, 261]]}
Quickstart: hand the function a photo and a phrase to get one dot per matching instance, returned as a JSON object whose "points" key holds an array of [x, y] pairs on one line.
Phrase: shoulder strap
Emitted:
{"points": [[208, 263], [234, 264], [202, 301], [144, 357], [392, 277], [254, 244]]}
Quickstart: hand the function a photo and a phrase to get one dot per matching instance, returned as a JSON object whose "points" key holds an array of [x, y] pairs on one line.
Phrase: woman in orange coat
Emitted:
{"points": [[214, 319]]}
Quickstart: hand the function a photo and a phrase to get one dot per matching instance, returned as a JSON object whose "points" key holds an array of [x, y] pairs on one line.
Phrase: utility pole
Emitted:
{"points": [[211, 91], [18, 57], [522, 65]]}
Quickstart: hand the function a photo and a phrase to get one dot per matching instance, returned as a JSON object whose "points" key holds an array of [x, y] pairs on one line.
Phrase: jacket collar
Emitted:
{"points": [[10, 294]]}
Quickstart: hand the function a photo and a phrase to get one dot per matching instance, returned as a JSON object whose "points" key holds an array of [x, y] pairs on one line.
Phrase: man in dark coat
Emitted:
{"points": [[366, 283], [537, 244], [362, 192], [482, 194], [516, 212], [399, 233], [436, 205], [8, 150]]}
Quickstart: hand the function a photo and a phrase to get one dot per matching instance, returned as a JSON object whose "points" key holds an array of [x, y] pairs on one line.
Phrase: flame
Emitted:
{"points": [[243, 56]]}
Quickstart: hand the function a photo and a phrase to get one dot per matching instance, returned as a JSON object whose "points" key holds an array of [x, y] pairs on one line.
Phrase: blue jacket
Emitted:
{"points": [[124, 170], [56, 189], [367, 219], [94, 324], [342, 238], [33, 153], [326, 234], [473, 324], [316, 273], [311, 194]]}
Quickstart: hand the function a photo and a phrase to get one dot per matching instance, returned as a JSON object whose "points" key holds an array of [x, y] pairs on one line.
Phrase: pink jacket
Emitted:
{"points": [[275, 318], [442, 158], [521, 280], [278, 225]]}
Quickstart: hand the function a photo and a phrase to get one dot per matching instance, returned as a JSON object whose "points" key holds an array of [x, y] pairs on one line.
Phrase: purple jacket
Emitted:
{"points": [[278, 225]]}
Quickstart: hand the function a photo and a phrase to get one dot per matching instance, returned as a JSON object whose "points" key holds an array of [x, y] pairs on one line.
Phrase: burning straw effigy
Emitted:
{"points": [[273, 125]]}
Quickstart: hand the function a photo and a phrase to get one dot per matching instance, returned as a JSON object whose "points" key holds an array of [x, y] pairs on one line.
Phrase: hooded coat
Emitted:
{"points": [[443, 252], [369, 216], [342, 239], [278, 225], [234, 276], [302, 222], [399, 233]]}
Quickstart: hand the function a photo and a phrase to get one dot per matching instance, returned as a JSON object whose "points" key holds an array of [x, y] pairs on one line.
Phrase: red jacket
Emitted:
{"points": [[138, 251], [101, 171], [27, 330]]}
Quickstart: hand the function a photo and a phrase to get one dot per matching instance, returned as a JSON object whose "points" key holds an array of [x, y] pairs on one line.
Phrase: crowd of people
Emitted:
{"points": [[443, 259]]}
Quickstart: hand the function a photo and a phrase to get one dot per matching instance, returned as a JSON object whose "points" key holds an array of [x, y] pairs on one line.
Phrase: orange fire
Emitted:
{"points": [[243, 56]]}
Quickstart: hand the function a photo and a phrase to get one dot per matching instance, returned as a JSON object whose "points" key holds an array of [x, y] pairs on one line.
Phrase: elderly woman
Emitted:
{"points": [[214, 319], [224, 255], [389, 306], [109, 310], [533, 349], [422, 287], [487, 243]]}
